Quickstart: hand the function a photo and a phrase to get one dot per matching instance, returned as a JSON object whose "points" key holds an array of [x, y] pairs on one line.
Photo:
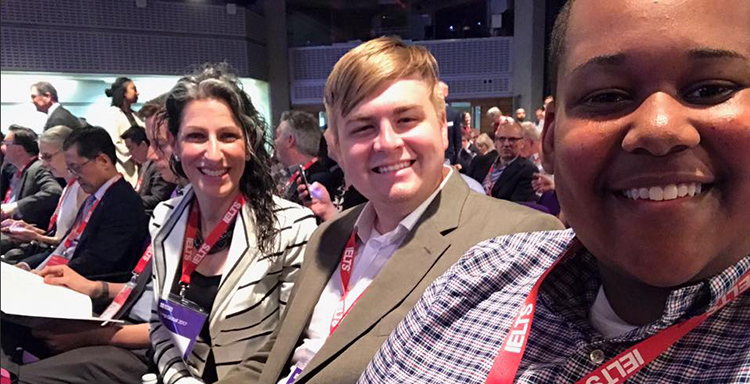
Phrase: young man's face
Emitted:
{"points": [[392, 145], [649, 135]]}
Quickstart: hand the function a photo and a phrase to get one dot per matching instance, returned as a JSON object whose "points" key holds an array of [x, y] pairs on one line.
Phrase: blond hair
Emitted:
{"points": [[364, 69], [484, 143]]}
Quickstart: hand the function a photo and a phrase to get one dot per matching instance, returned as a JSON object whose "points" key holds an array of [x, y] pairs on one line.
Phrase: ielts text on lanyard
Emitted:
{"points": [[345, 268], [125, 292], [62, 255], [616, 370], [183, 318]]}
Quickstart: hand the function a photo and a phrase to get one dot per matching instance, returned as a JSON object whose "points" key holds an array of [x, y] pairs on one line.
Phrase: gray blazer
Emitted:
{"points": [[455, 221]]}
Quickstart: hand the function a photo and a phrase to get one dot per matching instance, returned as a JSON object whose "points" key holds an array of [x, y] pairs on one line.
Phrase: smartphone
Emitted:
{"points": [[302, 175]]}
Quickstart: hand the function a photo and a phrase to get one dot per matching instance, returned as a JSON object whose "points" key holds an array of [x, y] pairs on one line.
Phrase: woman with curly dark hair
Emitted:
{"points": [[227, 252]]}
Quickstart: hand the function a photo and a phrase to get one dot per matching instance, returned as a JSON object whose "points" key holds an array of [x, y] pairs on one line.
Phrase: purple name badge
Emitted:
{"points": [[294, 375], [184, 320]]}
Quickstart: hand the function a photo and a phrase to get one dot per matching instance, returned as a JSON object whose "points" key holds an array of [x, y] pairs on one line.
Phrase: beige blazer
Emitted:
{"points": [[455, 221]]}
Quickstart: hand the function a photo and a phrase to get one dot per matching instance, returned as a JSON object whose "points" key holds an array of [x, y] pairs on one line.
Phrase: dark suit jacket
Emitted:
{"points": [[38, 196], [154, 189], [454, 134], [114, 238], [514, 183], [480, 165], [62, 116], [455, 221]]}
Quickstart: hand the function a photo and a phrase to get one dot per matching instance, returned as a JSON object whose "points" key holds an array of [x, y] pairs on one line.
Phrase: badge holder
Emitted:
{"points": [[183, 318]]}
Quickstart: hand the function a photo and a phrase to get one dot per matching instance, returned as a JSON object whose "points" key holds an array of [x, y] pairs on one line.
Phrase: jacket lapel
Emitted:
{"points": [[403, 272], [508, 173], [320, 263], [242, 253], [169, 242]]}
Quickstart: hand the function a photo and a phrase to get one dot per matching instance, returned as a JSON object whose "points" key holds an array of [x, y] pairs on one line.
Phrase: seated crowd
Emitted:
{"points": [[397, 245]]}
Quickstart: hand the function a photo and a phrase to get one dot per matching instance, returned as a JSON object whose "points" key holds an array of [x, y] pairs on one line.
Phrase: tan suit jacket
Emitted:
{"points": [[455, 221]]}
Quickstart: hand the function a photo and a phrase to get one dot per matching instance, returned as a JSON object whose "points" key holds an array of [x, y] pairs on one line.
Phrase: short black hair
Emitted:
{"points": [[136, 134], [557, 44], [43, 87], [26, 138], [91, 142]]}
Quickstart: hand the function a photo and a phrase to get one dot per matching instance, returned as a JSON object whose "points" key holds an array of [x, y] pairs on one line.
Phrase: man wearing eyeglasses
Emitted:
{"points": [[109, 232], [32, 192], [505, 174]]}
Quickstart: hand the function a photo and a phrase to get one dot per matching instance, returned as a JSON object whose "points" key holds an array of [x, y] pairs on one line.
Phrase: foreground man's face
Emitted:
{"points": [[650, 135]]}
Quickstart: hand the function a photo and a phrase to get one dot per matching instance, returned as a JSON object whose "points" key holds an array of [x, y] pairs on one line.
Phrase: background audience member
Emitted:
{"points": [[484, 143], [30, 238], [520, 115], [109, 232], [507, 176], [154, 114], [33, 192], [296, 143], [44, 98], [253, 241], [532, 145], [455, 120], [120, 117], [152, 188]]}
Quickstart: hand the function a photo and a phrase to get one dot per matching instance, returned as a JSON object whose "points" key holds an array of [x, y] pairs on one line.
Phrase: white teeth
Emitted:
{"points": [[211, 172], [393, 168], [666, 192], [656, 194]]}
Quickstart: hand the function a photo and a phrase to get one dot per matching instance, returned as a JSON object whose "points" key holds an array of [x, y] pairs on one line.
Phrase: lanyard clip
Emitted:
{"points": [[183, 288]]}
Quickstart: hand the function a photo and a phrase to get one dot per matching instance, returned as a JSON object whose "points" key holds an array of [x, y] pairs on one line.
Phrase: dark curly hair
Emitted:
{"points": [[217, 81]]}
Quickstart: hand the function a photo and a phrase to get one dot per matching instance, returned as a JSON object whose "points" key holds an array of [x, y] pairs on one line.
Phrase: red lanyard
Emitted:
{"points": [[114, 307], [192, 258], [18, 175], [345, 268], [619, 368], [53, 219], [305, 167], [143, 262], [138, 184], [78, 230], [488, 184]]}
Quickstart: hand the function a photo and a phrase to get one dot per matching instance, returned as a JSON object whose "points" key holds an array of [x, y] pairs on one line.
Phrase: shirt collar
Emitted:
{"points": [[52, 108], [100, 192], [570, 291], [366, 220]]}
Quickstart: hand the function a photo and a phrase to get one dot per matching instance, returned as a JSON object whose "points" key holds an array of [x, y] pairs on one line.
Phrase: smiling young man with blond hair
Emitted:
{"points": [[367, 267]]}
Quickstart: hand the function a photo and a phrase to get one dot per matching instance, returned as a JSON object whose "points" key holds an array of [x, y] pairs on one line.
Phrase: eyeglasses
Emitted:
{"points": [[76, 168], [48, 156], [511, 140]]}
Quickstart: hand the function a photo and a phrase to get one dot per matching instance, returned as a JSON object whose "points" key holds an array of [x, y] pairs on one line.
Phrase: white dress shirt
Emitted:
{"points": [[373, 250]]}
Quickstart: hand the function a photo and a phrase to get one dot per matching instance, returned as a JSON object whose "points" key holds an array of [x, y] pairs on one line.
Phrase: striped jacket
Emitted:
{"points": [[252, 294]]}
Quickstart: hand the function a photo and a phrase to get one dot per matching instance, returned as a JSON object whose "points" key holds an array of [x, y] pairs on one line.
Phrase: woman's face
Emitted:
{"points": [[53, 159], [211, 147], [131, 93]]}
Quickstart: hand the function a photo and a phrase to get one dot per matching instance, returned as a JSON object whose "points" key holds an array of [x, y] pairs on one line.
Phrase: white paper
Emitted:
{"points": [[23, 293]]}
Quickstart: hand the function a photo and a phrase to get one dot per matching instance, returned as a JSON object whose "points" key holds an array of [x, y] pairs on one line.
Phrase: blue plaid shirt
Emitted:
{"points": [[454, 332]]}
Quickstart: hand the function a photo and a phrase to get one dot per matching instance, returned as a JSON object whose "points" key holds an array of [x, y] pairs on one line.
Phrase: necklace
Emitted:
{"points": [[223, 243]]}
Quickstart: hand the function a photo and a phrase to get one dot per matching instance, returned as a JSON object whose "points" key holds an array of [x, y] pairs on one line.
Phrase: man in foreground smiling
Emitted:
{"points": [[648, 138], [366, 268]]}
